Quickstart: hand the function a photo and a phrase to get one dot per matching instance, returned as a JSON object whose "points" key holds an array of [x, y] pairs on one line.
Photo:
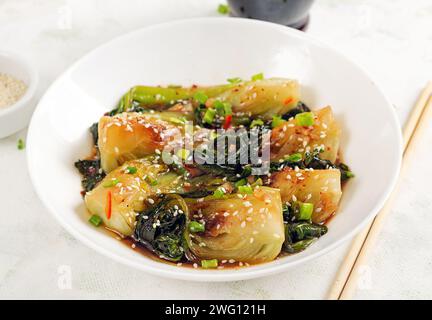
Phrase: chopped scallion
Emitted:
{"points": [[21, 144], [209, 116], [306, 210], [241, 182], [305, 119], [95, 220], [256, 122], [223, 9], [195, 226], [258, 76], [277, 121], [131, 170], [219, 193], [258, 182], [151, 181], [227, 108], [219, 106], [201, 97], [234, 80], [245, 189], [207, 264], [111, 183], [295, 157]]}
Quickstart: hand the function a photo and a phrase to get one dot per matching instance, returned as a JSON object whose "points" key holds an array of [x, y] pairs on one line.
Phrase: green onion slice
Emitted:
{"points": [[195, 226], [258, 76], [95, 220], [209, 116], [111, 183], [304, 119], [245, 189], [208, 264], [277, 121], [201, 97]]}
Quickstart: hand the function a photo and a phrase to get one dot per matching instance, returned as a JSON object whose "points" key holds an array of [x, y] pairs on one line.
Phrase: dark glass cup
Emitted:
{"points": [[292, 13]]}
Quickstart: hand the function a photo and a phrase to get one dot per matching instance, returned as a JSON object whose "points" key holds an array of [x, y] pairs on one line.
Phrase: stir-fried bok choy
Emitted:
{"points": [[215, 176]]}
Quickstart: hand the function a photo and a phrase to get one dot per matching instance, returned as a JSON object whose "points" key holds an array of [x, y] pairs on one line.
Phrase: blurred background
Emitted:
{"points": [[390, 39]]}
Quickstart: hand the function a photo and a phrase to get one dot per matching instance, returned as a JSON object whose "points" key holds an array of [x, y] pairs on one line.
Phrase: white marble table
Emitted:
{"points": [[392, 39]]}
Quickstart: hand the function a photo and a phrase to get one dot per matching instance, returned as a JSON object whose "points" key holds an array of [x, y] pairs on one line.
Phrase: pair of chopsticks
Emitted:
{"points": [[346, 279]]}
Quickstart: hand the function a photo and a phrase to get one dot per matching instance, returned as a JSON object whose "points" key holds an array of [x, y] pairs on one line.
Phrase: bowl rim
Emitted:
{"points": [[218, 275], [32, 85]]}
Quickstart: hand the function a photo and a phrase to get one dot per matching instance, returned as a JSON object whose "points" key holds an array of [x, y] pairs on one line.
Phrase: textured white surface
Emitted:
{"points": [[391, 39]]}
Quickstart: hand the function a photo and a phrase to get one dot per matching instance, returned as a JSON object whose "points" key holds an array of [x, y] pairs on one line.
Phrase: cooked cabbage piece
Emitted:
{"points": [[248, 229], [129, 136], [124, 192], [289, 137], [322, 188], [263, 98]]}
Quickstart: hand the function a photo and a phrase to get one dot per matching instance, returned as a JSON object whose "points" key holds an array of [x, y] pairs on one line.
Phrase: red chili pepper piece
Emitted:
{"points": [[108, 208], [228, 120]]}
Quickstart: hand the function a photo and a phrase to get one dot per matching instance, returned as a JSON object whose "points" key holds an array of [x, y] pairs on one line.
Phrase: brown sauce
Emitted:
{"points": [[139, 248]]}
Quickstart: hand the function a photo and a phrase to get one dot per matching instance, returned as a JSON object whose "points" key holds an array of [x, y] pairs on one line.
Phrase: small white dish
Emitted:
{"points": [[16, 116], [208, 51]]}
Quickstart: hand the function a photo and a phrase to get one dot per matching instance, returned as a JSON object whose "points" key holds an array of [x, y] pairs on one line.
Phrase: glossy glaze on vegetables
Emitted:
{"points": [[215, 215]]}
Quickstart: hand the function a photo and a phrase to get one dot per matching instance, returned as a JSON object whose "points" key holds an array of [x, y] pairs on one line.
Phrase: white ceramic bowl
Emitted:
{"points": [[208, 51], [15, 117]]}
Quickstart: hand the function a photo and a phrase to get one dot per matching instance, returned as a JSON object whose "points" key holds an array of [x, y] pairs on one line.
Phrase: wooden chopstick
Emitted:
{"points": [[346, 278]]}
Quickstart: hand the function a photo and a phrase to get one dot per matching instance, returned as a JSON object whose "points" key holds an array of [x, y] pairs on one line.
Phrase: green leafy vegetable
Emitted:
{"points": [[94, 132], [91, 172], [346, 173], [311, 160], [160, 228], [298, 236]]}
